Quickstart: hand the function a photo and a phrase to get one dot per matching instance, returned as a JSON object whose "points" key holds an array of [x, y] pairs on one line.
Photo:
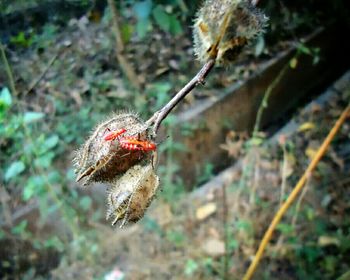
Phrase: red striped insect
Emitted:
{"points": [[115, 134], [130, 143]]}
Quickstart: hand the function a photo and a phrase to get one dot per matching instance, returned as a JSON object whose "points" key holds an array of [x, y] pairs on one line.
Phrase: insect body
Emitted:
{"points": [[129, 143], [133, 144], [115, 134]]}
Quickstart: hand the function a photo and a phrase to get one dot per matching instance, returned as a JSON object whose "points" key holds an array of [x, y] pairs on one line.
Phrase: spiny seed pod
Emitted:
{"points": [[131, 195], [224, 27], [101, 160]]}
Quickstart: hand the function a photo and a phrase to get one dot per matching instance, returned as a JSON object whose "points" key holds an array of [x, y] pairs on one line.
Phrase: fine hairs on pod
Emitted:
{"points": [[229, 26]]}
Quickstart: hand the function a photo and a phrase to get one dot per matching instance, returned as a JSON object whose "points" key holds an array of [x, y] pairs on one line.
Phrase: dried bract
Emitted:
{"points": [[131, 195], [228, 25]]}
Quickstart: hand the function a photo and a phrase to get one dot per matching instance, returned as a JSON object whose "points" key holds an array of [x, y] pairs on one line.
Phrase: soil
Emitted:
{"points": [[186, 239]]}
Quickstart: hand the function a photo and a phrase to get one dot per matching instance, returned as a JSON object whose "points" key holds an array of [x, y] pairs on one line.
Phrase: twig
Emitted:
{"points": [[225, 227], [42, 75], [266, 97], [124, 63], [37, 170], [299, 186], [284, 173], [4, 198], [160, 115], [280, 240], [299, 202], [8, 70]]}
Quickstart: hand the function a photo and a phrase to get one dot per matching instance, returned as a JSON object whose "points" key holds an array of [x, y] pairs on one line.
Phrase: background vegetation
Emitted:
{"points": [[59, 77]]}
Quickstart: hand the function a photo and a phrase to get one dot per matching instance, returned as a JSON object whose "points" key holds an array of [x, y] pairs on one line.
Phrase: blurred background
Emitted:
{"points": [[228, 157]]}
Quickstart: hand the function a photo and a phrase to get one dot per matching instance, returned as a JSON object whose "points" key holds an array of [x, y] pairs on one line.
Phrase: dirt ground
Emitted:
{"points": [[189, 239]]}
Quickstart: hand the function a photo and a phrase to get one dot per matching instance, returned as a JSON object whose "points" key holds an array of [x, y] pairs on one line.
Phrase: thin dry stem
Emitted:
{"points": [[281, 239], [284, 173], [225, 227], [8, 70], [124, 63], [293, 195], [265, 100], [160, 115], [42, 75], [299, 202]]}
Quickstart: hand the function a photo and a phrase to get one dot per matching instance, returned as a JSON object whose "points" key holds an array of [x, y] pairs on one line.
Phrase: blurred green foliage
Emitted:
{"points": [[164, 16], [30, 171], [37, 148]]}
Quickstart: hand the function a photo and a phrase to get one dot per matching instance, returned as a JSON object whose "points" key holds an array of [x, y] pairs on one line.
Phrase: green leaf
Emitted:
{"points": [[142, 27], [244, 225], [161, 18], [45, 160], [70, 175], [28, 192], [176, 237], [32, 116], [175, 26], [142, 9], [15, 168], [54, 177], [21, 40], [85, 203], [35, 186], [54, 242], [20, 228], [304, 49], [256, 141], [233, 244], [260, 46], [50, 142], [151, 225], [127, 30], [5, 98], [191, 267], [285, 228]]}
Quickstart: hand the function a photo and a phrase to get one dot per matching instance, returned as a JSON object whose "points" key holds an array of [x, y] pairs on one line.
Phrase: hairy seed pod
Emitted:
{"points": [[226, 26], [131, 195], [100, 160]]}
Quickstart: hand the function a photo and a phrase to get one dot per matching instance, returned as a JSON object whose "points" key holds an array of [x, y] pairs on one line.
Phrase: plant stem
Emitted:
{"points": [[36, 170], [160, 115], [43, 73], [299, 186], [225, 227], [265, 100], [123, 62], [8, 70]]}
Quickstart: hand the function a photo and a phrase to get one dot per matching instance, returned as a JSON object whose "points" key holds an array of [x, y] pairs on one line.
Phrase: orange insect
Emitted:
{"points": [[130, 143], [115, 134]]}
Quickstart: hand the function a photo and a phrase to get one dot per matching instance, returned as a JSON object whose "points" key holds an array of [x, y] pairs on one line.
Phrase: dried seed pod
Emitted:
{"points": [[226, 26], [100, 160], [131, 195]]}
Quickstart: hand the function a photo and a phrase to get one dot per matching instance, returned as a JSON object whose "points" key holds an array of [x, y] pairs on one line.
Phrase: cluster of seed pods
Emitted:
{"points": [[120, 153]]}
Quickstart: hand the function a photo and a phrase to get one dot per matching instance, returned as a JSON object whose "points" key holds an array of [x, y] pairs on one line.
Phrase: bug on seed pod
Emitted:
{"points": [[228, 26], [99, 160], [131, 194]]}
